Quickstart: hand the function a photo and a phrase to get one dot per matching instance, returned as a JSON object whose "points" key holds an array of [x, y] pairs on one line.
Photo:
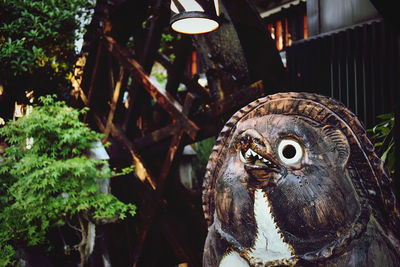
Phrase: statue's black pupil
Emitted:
{"points": [[289, 151]]}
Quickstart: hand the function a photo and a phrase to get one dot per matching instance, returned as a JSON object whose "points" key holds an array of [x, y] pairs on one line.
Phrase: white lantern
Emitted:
{"points": [[194, 16]]}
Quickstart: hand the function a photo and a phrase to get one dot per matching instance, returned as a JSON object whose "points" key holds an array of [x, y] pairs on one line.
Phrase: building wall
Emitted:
{"points": [[331, 15], [359, 66]]}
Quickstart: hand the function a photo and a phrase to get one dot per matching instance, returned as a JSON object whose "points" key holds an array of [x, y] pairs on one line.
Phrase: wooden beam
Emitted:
{"points": [[94, 72], [132, 97], [144, 175], [111, 83], [156, 136], [191, 84], [153, 35], [175, 143], [238, 99], [141, 170], [151, 212], [113, 104], [183, 50], [171, 237], [83, 97], [162, 97]]}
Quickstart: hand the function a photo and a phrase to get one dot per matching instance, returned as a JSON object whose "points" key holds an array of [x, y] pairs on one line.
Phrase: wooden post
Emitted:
{"points": [[151, 212], [93, 77]]}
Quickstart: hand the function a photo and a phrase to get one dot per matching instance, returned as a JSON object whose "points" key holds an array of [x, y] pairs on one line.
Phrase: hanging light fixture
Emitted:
{"points": [[194, 16]]}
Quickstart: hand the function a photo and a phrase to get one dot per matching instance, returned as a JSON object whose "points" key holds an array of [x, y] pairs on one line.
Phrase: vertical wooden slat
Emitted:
{"points": [[373, 71], [304, 67], [382, 57], [396, 177], [340, 67], [325, 49], [397, 81], [351, 91], [332, 65], [358, 66], [326, 55], [291, 61], [347, 58], [364, 74], [356, 41], [391, 69], [311, 56]]}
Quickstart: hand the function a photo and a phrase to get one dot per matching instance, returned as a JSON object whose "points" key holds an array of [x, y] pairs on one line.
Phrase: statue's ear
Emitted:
{"points": [[340, 142]]}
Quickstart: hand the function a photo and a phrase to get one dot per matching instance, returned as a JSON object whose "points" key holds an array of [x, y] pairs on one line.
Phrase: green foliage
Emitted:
{"points": [[47, 177], [160, 74], [167, 42], [384, 140], [203, 150], [37, 39]]}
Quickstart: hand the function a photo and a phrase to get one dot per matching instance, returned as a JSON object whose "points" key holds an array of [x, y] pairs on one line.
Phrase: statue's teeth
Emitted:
{"points": [[266, 161], [248, 153], [251, 153]]}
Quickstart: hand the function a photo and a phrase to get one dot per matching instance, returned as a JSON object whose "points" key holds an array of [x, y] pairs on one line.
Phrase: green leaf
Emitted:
{"points": [[53, 179], [383, 139]]}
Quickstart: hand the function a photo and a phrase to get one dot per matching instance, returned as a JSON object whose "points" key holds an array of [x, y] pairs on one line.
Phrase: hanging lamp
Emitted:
{"points": [[194, 16]]}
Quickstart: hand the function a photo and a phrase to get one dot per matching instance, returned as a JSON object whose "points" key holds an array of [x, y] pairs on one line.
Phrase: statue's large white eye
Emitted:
{"points": [[290, 151]]}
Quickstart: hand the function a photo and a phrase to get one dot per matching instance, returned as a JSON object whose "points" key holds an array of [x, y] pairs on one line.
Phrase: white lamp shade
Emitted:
{"points": [[194, 16]]}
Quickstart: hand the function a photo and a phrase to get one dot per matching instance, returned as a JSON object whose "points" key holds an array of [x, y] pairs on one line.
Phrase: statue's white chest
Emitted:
{"points": [[269, 244]]}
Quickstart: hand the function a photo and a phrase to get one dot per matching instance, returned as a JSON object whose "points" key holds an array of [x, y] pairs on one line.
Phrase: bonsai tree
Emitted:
{"points": [[47, 179]]}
